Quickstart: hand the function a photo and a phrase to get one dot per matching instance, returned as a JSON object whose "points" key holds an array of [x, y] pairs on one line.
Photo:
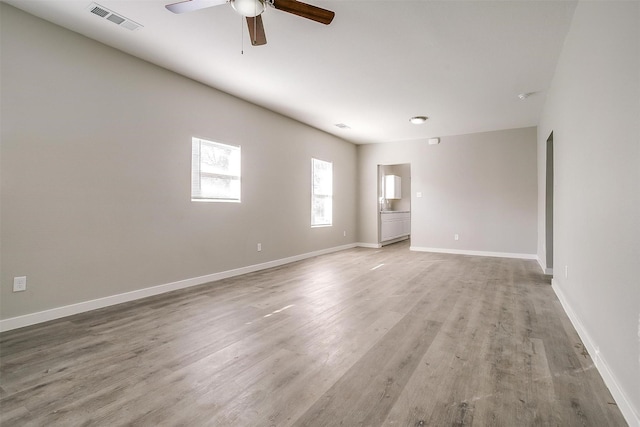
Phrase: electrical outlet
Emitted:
{"points": [[344, 233], [20, 284], [456, 236], [566, 271], [259, 247]]}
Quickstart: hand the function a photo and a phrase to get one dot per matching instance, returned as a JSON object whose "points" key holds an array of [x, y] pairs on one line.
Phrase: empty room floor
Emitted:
{"points": [[361, 337]]}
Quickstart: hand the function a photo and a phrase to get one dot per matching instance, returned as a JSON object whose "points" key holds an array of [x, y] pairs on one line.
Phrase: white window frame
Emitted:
{"points": [[233, 175], [321, 192]]}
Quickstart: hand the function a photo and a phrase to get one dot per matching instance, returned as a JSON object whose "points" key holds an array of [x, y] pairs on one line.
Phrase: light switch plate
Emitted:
{"points": [[20, 284]]}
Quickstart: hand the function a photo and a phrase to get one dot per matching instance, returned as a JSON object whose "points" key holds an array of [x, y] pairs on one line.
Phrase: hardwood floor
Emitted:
{"points": [[361, 337]]}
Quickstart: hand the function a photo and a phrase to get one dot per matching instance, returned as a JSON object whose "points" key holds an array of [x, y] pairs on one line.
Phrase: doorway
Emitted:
{"points": [[394, 207]]}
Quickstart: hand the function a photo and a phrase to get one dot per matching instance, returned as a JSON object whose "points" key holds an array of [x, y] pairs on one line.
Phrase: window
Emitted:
{"points": [[215, 171], [321, 193]]}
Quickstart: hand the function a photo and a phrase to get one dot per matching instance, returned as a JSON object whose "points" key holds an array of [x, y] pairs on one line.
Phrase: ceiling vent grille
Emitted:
{"points": [[116, 18]]}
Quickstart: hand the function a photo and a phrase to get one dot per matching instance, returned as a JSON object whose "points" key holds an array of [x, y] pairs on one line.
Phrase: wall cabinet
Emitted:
{"points": [[394, 225], [392, 187]]}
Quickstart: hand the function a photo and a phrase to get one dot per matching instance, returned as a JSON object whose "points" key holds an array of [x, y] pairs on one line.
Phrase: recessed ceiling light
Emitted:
{"points": [[418, 120], [342, 126]]}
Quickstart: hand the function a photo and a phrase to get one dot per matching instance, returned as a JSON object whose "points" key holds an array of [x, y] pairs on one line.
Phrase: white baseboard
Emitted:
{"points": [[475, 253], [69, 310], [624, 404], [369, 245]]}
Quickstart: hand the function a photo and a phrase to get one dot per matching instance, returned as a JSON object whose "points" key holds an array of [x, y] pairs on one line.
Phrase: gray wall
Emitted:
{"points": [[593, 109], [95, 170], [481, 186]]}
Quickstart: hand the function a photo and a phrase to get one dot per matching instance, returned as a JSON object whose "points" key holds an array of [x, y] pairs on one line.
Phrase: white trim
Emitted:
{"points": [[81, 307], [475, 253], [369, 245], [545, 270], [624, 404]]}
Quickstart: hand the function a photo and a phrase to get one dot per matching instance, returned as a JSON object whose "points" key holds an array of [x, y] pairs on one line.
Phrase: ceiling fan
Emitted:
{"points": [[252, 10]]}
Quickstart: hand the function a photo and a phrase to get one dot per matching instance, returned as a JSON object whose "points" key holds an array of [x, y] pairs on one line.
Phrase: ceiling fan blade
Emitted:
{"points": [[305, 10], [191, 5], [256, 30]]}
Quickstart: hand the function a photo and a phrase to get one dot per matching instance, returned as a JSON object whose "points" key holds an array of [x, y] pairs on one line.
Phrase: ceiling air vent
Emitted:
{"points": [[116, 18]]}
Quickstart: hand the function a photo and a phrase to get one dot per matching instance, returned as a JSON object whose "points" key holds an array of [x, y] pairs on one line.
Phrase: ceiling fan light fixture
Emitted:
{"points": [[248, 8], [418, 120]]}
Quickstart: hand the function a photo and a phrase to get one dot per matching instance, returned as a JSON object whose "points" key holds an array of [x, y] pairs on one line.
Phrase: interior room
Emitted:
{"points": [[423, 212]]}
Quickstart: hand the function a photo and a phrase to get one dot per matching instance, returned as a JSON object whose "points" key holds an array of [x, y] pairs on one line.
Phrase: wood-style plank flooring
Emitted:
{"points": [[361, 337]]}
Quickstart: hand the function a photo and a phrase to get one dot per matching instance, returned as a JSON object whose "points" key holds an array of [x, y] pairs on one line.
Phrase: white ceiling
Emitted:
{"points": [[462, 63]]}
